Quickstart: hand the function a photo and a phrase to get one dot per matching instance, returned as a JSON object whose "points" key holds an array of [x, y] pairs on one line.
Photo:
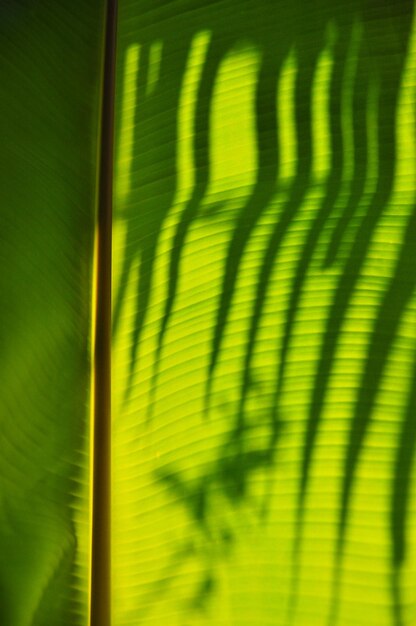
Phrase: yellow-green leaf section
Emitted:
{"points": [[264, 315]]}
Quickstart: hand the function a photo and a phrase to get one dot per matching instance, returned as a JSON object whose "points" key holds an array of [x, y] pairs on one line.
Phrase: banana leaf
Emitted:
{"points": [[50, 60], [263, 393]]}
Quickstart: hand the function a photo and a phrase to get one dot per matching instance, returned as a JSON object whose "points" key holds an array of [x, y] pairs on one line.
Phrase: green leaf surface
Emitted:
{"points": [[50, 67], [264, 312]]}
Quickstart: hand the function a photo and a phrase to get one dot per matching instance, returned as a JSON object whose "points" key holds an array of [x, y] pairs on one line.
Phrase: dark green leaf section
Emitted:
{"points": [[50, 73], [264, 320]]}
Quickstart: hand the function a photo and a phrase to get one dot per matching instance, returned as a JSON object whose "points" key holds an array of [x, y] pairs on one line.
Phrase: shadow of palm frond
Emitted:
{"points": [[368, 44], [400, 497], [388, 71]]}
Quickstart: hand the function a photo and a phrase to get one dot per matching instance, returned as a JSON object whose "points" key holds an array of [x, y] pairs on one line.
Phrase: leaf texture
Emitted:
{"points": [[50, 67], [264, 314]]}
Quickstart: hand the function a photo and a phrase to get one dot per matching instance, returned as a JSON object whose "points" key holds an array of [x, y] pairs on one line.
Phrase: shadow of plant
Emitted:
{"points": [[367, 43]]}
